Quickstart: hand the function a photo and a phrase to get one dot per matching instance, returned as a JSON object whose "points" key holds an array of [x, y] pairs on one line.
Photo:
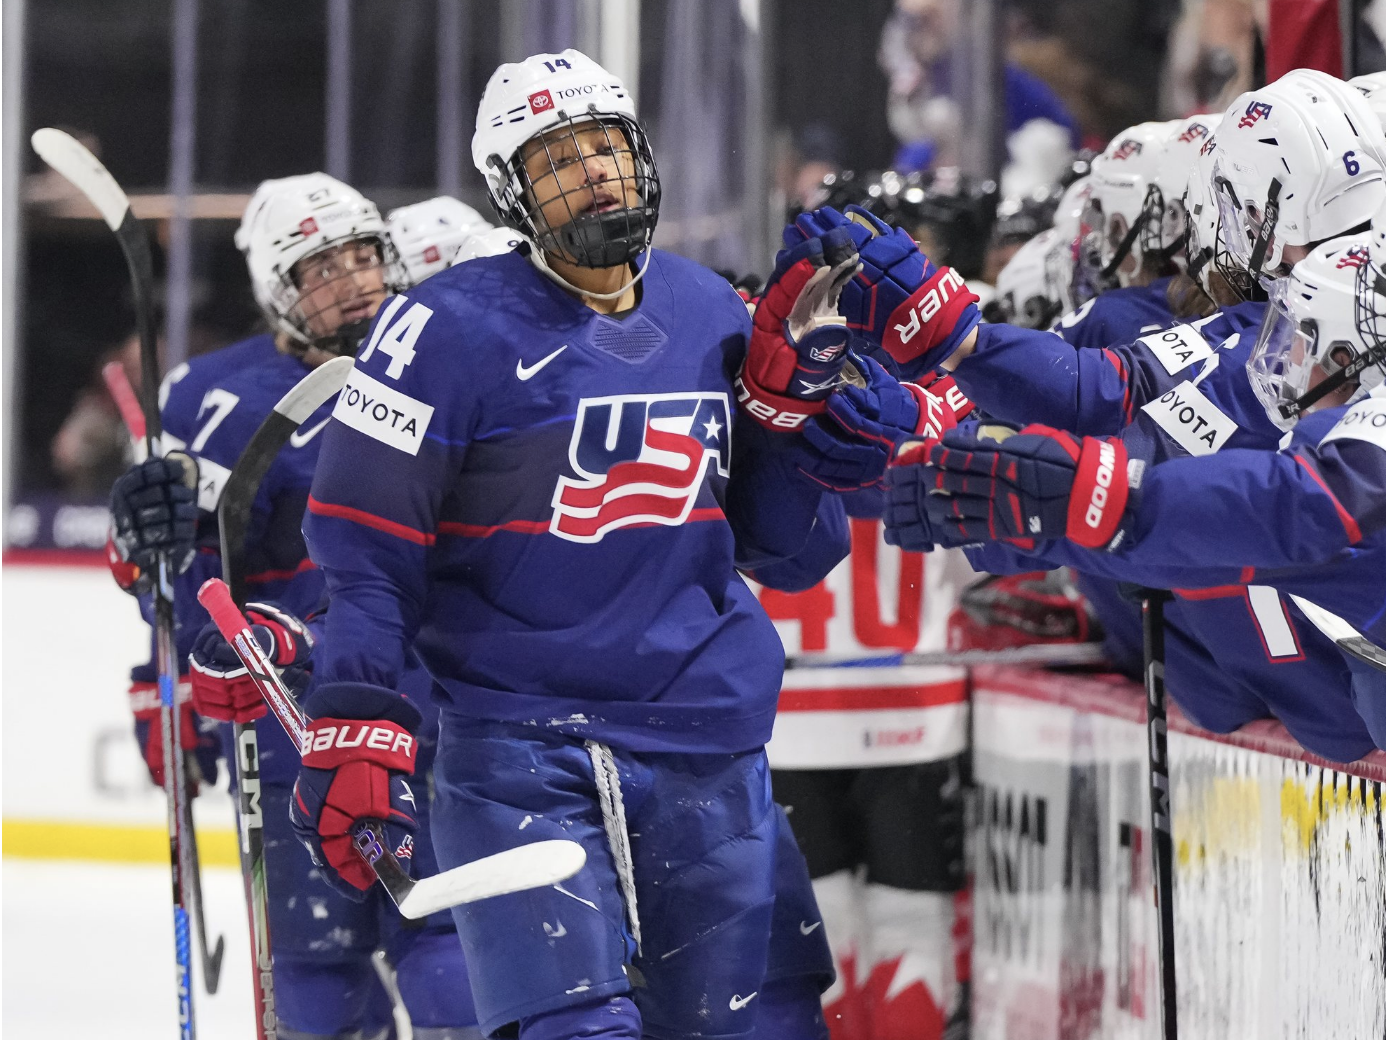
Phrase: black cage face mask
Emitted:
{"points": [[595, 223]]}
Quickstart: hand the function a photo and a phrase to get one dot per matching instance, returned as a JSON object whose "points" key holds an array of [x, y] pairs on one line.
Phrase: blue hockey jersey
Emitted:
{"points": [[550, 504], [1231, 532], [1118, 316], [1025, 375]]}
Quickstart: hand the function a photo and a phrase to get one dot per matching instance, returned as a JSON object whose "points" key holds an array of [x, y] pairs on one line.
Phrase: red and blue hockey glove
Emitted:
{"points": [[153, 510], [850, 446], [798, 340], [221, 687], [990, 483], [361, 746], [149, 731], [916, 311]]}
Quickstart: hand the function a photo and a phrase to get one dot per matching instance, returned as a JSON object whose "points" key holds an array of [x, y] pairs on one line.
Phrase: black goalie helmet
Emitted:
{"points": [[566, 163]]}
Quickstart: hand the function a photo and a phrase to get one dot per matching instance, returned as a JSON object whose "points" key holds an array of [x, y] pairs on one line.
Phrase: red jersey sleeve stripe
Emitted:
{"points": [[378, 523], [1354, 532]]}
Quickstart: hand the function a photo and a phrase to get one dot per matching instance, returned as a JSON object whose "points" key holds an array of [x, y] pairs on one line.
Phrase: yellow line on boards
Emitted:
{"points": [[131, 843]]}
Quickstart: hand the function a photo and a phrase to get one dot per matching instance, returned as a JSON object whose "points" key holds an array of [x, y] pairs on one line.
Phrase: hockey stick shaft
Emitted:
{"points": [[233, 515], [86, 173], [534, 865], [128, 404], [1162, 845]]}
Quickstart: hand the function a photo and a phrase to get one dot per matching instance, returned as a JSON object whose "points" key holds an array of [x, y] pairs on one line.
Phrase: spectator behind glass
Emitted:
{"points": [[917, 54], [91, 448]]}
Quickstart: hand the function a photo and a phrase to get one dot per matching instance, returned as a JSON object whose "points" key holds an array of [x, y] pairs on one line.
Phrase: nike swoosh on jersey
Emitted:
{"points": [[522, 373], [738, 1002], [301, 437], [808, 929]]}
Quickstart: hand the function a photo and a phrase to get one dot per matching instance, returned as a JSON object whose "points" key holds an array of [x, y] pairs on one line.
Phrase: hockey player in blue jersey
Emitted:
{"points": [[1185, 391], [320, 262], [537, 476], [1308, 520]]}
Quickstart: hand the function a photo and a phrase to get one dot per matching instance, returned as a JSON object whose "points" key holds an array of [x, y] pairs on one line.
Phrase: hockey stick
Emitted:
{"points": [[1056, 654], [535, 865], [233, 519], [1348, 639], [128, 404], [1162, 845], [85, 172]]}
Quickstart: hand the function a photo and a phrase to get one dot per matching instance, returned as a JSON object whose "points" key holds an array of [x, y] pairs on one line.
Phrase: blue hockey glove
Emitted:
{"points": [[990, 483], [153, 510], [917, 312], [361, 746], [798, 341], [907, 485], [850, 447]]}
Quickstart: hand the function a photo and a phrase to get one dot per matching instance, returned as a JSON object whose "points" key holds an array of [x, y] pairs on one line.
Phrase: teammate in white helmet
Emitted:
{"points": [[539, 478], [321, 264], [428, 235], [1175, 392]]}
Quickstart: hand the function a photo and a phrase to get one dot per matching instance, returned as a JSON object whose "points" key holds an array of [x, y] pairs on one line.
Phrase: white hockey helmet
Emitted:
{"points": [[288, 220], [492, 242], [1309, 339], [1178, 163], [1025, 291], [545, 96], [1295, 167], [1121, 202], [428, 234], [1372, 87], [1204, 248], [1069, 266]]}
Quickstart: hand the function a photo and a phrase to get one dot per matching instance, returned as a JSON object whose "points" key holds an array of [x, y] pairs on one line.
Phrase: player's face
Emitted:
{"points": [[578, 170], [339, 285]]}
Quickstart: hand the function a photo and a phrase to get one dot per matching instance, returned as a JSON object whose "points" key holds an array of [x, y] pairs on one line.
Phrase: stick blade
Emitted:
{"points": [[536, 865], [75, 162], [314, 389]]}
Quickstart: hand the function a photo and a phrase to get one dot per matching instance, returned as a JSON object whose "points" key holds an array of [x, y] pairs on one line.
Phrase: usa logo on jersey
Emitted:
{"points": [[1255, 112], [640, 459]]}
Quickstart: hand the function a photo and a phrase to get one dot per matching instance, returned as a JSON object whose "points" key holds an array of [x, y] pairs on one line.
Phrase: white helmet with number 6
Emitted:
{"points": [[428, 234], [291, 220], [1298, 162], [553, 99]]}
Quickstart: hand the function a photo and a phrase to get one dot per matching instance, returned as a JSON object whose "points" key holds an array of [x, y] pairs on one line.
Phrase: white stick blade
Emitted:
{"points": [[71, 158], [537, 865], [308, 395]]}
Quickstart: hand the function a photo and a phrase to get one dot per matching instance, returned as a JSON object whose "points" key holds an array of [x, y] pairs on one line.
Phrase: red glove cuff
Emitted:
{"points": [[1099, 493], [774, 411], [928, 317], [331, 743]]}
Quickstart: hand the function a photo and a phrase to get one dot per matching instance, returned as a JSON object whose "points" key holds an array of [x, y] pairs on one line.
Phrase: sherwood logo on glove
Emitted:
{"points": [[1099, 493]]}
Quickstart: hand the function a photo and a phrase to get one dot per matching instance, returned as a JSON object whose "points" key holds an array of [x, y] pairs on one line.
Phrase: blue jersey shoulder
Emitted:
{"points": [[1119, 316], [183, 390]]}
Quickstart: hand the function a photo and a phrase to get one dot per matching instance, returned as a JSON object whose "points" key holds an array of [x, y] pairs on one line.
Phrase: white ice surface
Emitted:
{"points": [[88, 952]]}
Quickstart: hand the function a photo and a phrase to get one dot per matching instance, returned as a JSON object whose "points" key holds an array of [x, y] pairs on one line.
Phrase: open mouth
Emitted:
{"points": [[358, 310], [602, 202]]}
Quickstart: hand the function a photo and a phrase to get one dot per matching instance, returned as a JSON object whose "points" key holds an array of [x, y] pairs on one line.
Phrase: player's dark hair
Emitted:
{"points": [[588, 239]]}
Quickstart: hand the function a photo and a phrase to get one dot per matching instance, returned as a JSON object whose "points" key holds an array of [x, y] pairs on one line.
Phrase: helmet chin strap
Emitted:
{"points": [[536, 257]]}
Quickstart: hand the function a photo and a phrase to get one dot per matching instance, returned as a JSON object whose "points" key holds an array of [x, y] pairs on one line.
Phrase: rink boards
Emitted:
{"points": [[1280, 892]]}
